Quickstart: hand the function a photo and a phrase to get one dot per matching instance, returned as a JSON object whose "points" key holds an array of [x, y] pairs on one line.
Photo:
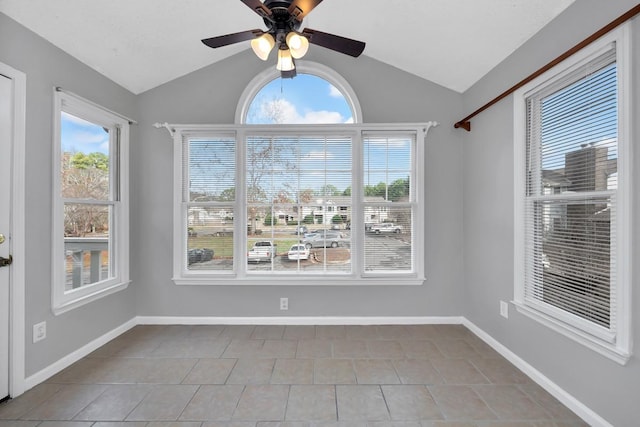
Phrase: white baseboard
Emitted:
{"points": [[71, 358], [300, 320], [552, 388], [568, 400]]}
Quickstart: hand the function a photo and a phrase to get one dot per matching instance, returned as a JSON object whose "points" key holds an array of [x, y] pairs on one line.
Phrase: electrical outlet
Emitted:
{"points": [[504, 309], [284, 303], [39, 331]]}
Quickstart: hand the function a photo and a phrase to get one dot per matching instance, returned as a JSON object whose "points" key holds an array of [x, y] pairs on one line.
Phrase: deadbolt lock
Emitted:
{"points": [[2, 239]]}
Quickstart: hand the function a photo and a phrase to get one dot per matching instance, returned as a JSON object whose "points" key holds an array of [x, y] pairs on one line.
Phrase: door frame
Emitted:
{"points": [[17, 231]]}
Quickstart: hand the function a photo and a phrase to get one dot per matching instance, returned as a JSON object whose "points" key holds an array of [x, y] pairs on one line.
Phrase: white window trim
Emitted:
{"points": [[302, 67], [618, 347], [182, 276], [62, 301]]}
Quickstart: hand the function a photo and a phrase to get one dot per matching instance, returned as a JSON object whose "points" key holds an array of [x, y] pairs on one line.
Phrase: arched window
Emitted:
{"points": [[319, 198], [316, 95]]}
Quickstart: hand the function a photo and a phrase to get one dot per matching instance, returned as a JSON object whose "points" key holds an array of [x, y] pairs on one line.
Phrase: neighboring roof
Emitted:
{"points": [[142, 44]]}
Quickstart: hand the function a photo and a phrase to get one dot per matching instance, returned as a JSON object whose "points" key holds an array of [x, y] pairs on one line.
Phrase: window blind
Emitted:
{"points": [[388, 160], [303, 181], [570, 203], [209, 195]]}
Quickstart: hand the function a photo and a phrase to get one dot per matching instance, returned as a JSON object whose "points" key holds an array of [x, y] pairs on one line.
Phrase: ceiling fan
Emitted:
{"points": [[283, 19]]}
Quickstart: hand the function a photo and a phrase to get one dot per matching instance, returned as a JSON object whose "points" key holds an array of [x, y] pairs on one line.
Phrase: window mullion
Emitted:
{"points": [[240, 206], [357, 205]]}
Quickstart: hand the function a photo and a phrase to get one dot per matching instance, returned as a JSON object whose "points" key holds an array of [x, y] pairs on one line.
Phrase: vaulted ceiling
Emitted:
{"points": [[141, 44]]}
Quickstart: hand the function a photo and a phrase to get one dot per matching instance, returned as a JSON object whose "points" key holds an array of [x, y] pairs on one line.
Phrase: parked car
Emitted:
{"points": [[298, 252], [262, 251], [199, 255], [323, 239], [386, 227]]}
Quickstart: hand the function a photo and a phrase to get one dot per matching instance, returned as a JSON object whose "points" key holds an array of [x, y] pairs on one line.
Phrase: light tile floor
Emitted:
{"points": [[293, 376]]}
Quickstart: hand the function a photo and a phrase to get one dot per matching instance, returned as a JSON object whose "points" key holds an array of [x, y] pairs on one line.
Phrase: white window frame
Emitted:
{"points": [[239, 276], [61, 300], [616, 346]]}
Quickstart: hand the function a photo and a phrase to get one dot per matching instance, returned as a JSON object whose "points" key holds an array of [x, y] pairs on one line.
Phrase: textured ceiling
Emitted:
{"points": [[141, 44]]}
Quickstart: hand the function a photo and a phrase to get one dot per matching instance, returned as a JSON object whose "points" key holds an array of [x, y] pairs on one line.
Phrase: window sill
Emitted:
{"points": [[298, 281], [618, 355], [61, 307]]}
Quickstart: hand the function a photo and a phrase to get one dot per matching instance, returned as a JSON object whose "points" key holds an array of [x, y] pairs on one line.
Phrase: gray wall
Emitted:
{"points": [[611, 390], [211, 95], [46, 67]]}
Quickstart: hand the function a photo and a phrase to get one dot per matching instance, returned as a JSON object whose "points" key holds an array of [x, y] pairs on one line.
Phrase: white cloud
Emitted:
{"points": [[334, 92], [283, 111], [322, 117]]}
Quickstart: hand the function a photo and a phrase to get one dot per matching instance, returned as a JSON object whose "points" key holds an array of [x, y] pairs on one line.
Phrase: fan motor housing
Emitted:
{"points": [[281, 22]]}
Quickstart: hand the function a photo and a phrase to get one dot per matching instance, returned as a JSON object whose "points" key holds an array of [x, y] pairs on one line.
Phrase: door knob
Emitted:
{"points": [[4, 262]]}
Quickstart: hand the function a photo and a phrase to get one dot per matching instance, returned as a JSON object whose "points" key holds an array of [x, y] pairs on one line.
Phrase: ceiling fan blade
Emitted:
{"points": [[258, 7], [228, 39], [300, 8], [331, 41]]}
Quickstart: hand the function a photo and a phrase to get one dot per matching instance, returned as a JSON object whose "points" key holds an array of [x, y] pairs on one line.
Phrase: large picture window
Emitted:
{"points": [[90, 213], [573, 198], [330, 204]]}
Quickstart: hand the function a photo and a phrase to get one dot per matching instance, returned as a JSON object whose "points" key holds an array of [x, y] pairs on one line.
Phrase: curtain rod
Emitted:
{"points": [[466, 123], [131, 121]]}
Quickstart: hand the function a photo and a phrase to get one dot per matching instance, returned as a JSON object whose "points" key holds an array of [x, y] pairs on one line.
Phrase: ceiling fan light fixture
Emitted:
{"points": [[262, 45], [298, 44], [285, 60]]}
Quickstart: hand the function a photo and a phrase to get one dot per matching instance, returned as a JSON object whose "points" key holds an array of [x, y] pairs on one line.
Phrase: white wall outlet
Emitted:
{"points": [[504, 309], [39, 331], [284, 303]]}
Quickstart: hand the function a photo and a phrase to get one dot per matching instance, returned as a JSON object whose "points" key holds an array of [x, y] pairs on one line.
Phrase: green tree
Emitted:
{"points": [[228, 195], [378, 190], [329, 190], [398, 190], [269, 219], [337, 219], [347, 191], [84, 161]]}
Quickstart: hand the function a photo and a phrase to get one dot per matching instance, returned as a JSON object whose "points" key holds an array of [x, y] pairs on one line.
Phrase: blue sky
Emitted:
{"points": [[78, 135], [303, 99]]}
